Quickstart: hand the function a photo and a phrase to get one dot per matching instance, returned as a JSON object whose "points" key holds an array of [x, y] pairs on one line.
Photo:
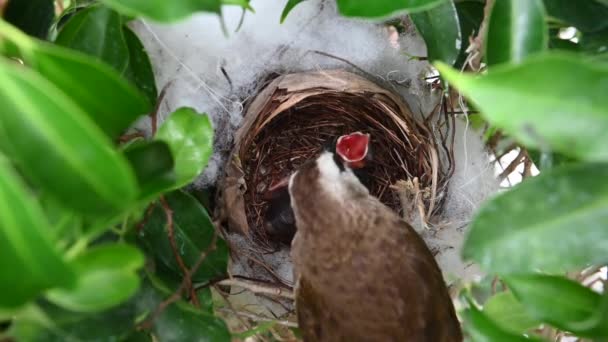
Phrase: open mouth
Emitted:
{"points": [[353, 149]]}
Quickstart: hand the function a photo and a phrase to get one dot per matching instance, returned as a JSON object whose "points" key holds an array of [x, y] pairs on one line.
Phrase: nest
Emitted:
{"points": [[295, 115]]}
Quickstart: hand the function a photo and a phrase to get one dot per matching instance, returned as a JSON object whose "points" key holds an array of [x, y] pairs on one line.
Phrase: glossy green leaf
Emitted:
{"points": [[110, 325], [585, 15], [182, 322], [552, 222], [190, 137], [139, 71], [542, 105], [59, 148], [106, 277], [153, 165], [113, 105], [66, 225], [470, 15], [288, 7], [193, 231], [562, 302], [517, 29], [383, 8], [97, 31], [504, 309], [480, 328], [440, 28], [33, 17], [28, 260], [162, 10]]}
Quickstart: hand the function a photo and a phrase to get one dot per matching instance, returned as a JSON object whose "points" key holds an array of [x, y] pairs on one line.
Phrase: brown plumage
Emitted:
{"points": [[363, 273]]}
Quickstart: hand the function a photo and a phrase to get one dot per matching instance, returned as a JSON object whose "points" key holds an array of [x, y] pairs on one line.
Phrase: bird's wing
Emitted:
{"points": [[315, 319], [309, 311], [436, 319]]}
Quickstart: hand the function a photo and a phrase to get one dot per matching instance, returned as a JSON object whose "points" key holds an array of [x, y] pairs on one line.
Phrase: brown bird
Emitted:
{"points": [[363, 274], [279, 221]]}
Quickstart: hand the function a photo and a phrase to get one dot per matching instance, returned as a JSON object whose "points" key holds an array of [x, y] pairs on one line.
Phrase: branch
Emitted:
{"points": [[147, 324], [513, 165], [259, 288], [175, 250], [257, 318], [477, 47]]}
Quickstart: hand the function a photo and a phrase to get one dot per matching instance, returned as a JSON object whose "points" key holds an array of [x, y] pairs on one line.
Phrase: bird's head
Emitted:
{"points": [[332, 172], [350, 151]]}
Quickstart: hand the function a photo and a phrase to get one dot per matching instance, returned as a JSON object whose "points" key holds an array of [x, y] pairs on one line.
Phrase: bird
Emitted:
{"points": [[362, 273], [279, 222]]}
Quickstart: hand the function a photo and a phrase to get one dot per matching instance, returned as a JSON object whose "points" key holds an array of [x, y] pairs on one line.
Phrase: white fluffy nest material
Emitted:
{"points": [[216, 74]]}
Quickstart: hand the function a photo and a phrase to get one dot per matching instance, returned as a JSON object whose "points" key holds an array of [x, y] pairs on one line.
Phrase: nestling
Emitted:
{"points": [[363, 274]]}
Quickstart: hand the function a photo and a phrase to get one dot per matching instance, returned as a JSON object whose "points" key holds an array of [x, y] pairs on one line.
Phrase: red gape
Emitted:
{"points": [[353, 149]]}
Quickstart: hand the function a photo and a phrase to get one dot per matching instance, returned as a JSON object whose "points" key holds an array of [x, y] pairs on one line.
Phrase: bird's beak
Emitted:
{"points": [[353, 149], [276, 188]]}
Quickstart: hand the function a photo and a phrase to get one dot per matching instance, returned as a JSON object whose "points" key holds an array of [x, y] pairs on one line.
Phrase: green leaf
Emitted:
{"points": [[585, 15], [517, 29], [193, 231], [106, 278], [182, 322], [205, 299], [113, 104], [288, 7], [33, 17], [109, 325], [480, 328], [470, 15], [509, 313], [383, 8], [58, 148], [562, 302], [440, 28], [242, 3], [153, 165], [28, 260], [162, 10], [552, 222], [139, 71], [548, 160], [190, 137], [543, 106], [66, 225], [97, 31]]}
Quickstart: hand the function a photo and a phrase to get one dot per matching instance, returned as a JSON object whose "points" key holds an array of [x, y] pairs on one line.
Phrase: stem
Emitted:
{"points": [[77, 248]]}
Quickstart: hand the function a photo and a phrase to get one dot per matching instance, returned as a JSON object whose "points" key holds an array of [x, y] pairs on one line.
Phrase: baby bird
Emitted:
{"points": [[363, 274]]}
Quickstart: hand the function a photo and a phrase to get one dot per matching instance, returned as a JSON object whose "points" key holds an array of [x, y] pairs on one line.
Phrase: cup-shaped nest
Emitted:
{"points": [[296, 115]]}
